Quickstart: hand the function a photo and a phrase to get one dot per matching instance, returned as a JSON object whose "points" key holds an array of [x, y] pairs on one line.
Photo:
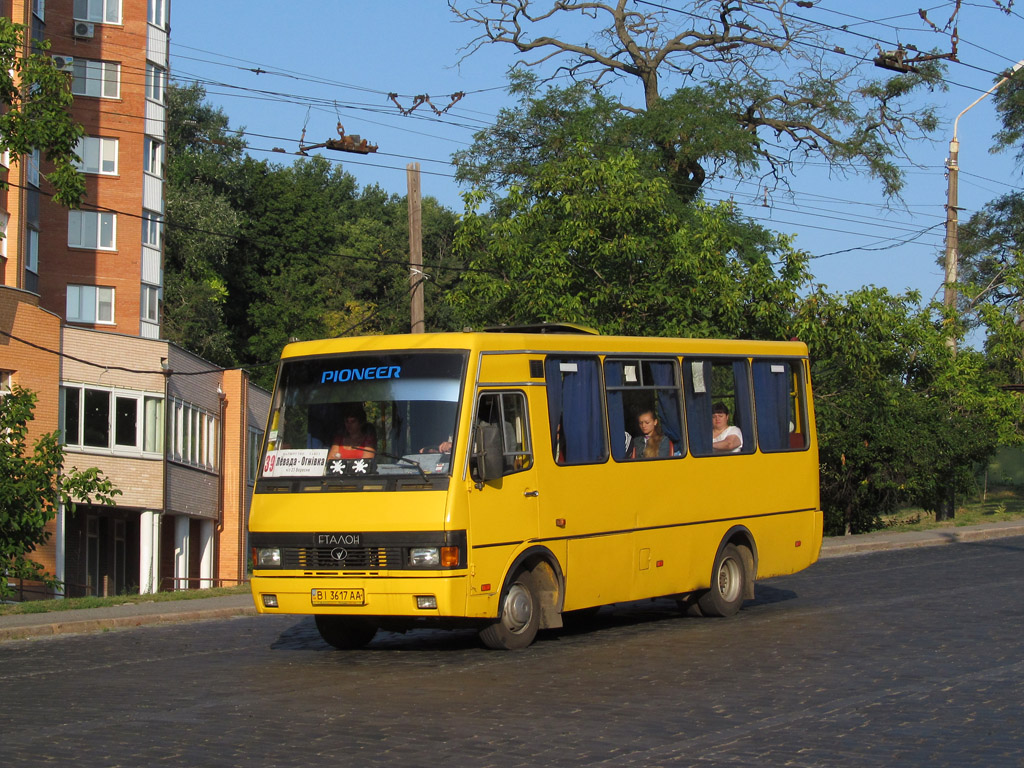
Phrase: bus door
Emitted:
{"points": [[504, 510]]}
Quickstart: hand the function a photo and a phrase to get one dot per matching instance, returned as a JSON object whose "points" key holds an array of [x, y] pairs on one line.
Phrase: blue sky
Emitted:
{"points": [[277, 72]]}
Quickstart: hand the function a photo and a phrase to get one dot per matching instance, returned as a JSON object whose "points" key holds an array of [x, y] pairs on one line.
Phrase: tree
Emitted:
{"points": [[35, 96], [32, 485], [900, 418], [772, 85], [595, 240]]}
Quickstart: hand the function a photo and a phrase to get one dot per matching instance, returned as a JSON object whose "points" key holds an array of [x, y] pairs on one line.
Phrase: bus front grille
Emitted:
{"points": [[301, 558]]}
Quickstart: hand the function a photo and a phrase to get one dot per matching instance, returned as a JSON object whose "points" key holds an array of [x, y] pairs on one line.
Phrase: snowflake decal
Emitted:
{"points": [[337, 467], [360, 466]]}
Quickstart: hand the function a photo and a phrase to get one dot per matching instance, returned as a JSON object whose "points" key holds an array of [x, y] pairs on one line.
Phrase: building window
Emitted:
{"points": [[97, 155], [153, 157], [39, 9], [111, 420], [32, 251], [152, 224], [92, 229], [193, 436], [158, 13], [255, 443], [149, 308], [96, 78], [90, 304], [101, 11], [32, 167], [6, 378], [155, 79], [4, 220]]}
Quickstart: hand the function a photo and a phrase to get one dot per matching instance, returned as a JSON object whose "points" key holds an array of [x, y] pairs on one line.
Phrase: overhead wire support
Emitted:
{"points": [[344, 143]]}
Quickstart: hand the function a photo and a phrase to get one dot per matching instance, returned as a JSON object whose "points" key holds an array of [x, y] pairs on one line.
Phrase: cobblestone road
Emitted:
{"points": [[909, 658]]}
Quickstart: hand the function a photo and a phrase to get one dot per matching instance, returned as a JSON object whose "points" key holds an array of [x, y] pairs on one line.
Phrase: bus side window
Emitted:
{"points": [[507, 409], [709, 385], [779, 403], [575, 412], [643, 391]]}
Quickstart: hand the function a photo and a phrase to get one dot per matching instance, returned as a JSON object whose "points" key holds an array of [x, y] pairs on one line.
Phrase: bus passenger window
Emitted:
{"points": [[575, 415], [719, 417], [507, 409], [780, 405], [643, 406]]}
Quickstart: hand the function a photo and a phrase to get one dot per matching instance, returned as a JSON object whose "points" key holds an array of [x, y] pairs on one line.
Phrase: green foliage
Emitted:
{"points": [[35, 96], [594, 240], [259, 253], [901, 419], [32, 484], [722, 89]]}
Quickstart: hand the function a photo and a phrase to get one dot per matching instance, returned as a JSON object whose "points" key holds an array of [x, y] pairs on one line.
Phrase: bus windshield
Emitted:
{"points": [[359, 415]]}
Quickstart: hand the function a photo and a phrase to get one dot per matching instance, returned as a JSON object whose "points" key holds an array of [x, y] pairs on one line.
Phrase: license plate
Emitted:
{"points": [[345, 596]]}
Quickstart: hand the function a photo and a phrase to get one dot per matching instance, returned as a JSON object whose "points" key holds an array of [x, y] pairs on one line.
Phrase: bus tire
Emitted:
{"points": [[728, 584], [520, 617], [346, 633]]}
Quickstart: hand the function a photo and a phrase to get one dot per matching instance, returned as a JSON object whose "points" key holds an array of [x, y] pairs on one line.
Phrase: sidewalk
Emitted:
{"points": [[22, 626]]}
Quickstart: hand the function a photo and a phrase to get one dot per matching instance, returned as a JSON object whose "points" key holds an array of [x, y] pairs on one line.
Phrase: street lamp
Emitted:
{"points": [[952, 169]]}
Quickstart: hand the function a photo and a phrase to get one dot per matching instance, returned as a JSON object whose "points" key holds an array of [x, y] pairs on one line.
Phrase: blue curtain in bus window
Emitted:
{"points": [[574, 401], [668, 404], [771, 401], [616, 409], [697, 400], [743, 418]]}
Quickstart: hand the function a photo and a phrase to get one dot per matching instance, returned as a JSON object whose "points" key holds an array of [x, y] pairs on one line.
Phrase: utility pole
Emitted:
{"points": [[949, 295], [416, 275]]}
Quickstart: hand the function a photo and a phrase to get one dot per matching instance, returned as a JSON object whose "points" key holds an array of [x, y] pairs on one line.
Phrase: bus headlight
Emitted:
{"points": [[267, 557], [425, 557]]}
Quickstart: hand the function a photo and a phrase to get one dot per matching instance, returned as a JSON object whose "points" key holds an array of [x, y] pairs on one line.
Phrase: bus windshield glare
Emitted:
{"points": [[360, 415]]}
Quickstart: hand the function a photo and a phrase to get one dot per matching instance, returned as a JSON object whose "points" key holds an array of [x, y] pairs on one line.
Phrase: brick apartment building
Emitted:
{"points": [[80, 326]]}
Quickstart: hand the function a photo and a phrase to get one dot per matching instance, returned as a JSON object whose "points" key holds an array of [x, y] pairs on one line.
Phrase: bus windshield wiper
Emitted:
{"points": [[406, 461]]}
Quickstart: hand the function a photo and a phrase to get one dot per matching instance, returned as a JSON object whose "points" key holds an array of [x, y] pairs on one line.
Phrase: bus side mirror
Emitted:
{"points": [[490, 457]]}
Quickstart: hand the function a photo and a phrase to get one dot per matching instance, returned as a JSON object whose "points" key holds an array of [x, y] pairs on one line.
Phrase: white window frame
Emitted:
{"points": [[156, 82], [149, 304], [97, 155], [153, 157], [149, 422], [5, 219], [32, 250], [39, 9], [254, 446], [152, 228], [193, 436], [156, 13], [94, 230], [97, 11], [92, 304], [99, 79], [32, 167]]}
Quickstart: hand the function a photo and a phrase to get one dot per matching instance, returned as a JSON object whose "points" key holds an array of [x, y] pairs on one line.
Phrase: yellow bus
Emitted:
{"points": [[502, 479]]}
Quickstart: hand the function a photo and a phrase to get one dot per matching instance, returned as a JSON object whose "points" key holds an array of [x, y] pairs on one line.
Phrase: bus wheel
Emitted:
{"points": [[728, 583], [520, 617], [345, 632]]}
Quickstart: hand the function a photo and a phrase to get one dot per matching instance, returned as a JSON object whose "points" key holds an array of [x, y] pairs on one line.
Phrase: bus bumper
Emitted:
{"points": [[379, 595]]}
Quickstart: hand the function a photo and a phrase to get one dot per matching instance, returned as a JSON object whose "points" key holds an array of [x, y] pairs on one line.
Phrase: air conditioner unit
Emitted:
{"points": [[64, 63], [84, 29]]}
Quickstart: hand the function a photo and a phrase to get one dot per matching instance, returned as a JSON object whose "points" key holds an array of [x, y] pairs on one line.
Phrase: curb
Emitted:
{"points": [[83, 626], [843, 546]]}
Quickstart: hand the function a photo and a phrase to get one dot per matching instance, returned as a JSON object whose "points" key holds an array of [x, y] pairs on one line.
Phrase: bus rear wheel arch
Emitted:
{"points": [[732, 581]]}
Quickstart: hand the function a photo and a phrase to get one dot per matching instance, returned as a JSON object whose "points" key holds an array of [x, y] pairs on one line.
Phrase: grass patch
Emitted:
{"points": [[75, 603], [1000, 504]]}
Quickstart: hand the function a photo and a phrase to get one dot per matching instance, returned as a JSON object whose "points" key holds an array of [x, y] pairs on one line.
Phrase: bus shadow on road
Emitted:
{"points": [[303, 635]]}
